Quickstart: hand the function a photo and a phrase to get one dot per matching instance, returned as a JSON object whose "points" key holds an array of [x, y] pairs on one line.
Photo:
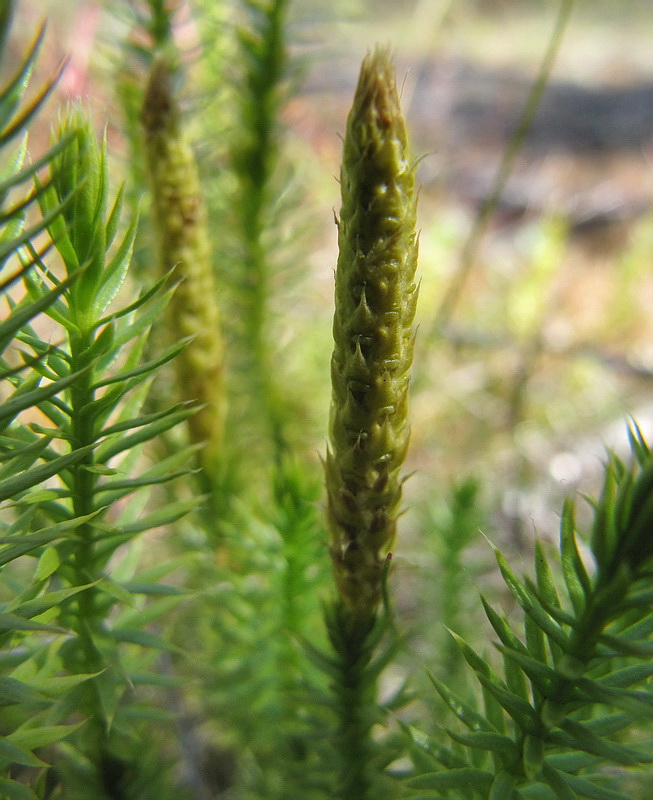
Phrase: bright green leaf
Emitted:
{"points": [[468, 779]]}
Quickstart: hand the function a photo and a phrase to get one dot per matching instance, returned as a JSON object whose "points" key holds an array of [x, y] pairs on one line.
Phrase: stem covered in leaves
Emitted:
{"points": [[375, 299], [181, 225]]}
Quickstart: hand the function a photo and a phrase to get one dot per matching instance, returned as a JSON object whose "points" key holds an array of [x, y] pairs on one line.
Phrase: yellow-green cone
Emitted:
{"points": [[180, 221], [375, 300]]}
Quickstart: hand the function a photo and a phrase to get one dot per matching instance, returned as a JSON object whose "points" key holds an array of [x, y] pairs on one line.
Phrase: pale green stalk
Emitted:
{"points": [[181, 227]]}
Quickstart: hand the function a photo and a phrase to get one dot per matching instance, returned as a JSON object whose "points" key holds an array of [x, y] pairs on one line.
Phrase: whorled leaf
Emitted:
{"points": [[581, 659]]}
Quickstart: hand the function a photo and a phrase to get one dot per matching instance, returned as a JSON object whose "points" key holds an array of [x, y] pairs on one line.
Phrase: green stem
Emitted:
{"points": [[87, 619], [598, 613], [254, 164], [355, 696], [486, 209]]}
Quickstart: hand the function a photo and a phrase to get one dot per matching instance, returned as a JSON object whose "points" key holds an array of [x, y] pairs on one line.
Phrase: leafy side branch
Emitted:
{"points": [[95, 382], [574, 684]]}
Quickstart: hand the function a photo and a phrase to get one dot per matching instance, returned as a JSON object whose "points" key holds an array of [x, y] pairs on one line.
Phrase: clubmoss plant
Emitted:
{"points": [[575, 682], [266, 546], [180, 223], [255, 158], [93, 673], [96, 384], [28, 706], [375, 299]]}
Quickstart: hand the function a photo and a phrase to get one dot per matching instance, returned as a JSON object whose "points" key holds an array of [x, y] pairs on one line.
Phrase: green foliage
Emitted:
{"points": [[361, 650], [255, 156], [64, 477], [27, 460], [170, 632], [454, 520], [100, 418], [575, 676], [260, 585]]}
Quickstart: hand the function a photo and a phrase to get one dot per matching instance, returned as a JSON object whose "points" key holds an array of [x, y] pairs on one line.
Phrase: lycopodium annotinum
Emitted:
{"points": [[181, 226], [375, 300]]}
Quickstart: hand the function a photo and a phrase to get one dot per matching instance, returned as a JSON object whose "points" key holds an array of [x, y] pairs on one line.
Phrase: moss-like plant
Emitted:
{"points": [[100, 417], [23, 467], [375, 306], [575, 679], [255, 156], [375, 301], [86, 382], [267, 546], [87, 629], [182, 238]]}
